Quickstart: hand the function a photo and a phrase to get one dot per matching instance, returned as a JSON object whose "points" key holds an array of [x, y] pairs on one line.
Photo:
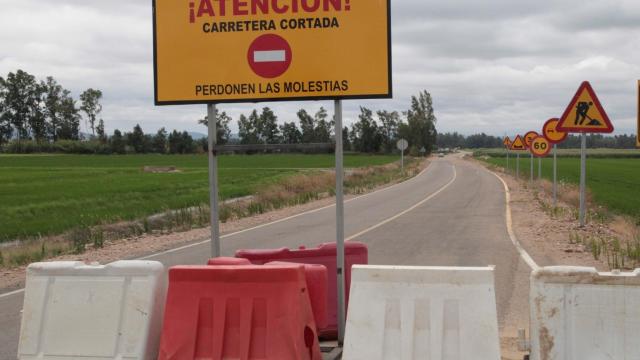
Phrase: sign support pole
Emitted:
{"points": [[517, 166], [402, 160], [539, 168], [508, 160], [340, 221], [583, 178], [531, 180], [212, 113], [555, 175]]}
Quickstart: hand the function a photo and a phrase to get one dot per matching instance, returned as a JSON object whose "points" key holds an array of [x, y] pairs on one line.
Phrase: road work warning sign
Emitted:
{"points": [[257, 50], [585, 114]]}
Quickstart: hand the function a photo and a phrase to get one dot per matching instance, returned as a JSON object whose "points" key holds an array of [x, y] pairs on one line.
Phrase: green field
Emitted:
{"points": [[49, 194], [613, 182]]}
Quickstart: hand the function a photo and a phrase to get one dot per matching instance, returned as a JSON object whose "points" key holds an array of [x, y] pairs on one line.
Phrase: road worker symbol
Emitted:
{"points": [[585, 114]]}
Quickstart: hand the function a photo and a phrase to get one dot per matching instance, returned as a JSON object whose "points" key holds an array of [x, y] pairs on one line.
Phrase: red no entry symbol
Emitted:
{"points": [[269, 56]]}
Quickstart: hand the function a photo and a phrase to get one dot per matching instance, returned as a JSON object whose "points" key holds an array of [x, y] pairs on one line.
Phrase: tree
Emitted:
{"points": [[159, 142], [5, 123], [421, 123], [136, 139], [268, 127], [53, 97], [290, 133], [366, 135], [323, 128], [307, 126], [117, 142], [389, 128], [346, 142], [69, 119], [22, 101], [222, 127], [248, 129], [100, 131], [91, 106]]}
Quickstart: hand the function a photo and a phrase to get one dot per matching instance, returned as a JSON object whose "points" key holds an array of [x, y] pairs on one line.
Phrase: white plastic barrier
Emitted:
{"points": [[578, 313], [78, 311], [411, 313]]}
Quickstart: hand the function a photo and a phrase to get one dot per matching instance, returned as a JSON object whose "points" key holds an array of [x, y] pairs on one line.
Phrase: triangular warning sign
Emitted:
{"points": [[506, 142], [585, 114], [518, 144]]}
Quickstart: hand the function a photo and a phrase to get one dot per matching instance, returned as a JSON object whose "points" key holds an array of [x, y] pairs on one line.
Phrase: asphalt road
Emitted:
{"points": [[451, 214]]}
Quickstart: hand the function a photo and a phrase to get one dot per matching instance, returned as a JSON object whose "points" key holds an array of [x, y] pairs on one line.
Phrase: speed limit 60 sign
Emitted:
{"points": [[540, 146]]}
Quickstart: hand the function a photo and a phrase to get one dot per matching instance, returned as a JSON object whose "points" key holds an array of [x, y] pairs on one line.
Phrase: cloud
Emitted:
{"points": [[496, 66]]}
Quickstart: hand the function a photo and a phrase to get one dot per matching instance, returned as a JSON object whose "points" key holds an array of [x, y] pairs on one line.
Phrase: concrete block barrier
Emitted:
{"points": [[77, 311], [324, 254], [411, 313], [578, 313]]}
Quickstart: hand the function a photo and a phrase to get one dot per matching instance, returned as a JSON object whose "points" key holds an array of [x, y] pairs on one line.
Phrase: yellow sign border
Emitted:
{"points": [[388, 95]]}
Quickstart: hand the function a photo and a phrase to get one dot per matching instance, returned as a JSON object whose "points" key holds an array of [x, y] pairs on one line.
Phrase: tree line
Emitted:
{"points": [[372, 133], [46, 114], [45, 111], [479, 141]]}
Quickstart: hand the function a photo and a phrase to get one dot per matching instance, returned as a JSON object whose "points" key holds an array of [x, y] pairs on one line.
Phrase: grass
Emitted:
{"points": [[612, 182], [44, 195]]}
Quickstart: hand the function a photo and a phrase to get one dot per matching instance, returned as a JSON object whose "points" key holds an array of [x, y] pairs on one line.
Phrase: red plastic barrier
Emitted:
{"points": [[317, 280], [228, 261], [325, 254], [238, 312], [315, 275]]}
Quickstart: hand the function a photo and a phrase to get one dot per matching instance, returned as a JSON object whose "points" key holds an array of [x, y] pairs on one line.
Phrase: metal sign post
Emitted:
{"points": [[507, 160], [402, 145], [583, 178], [539, 168], [212, 114], [517, 166], [340, 221], [555, 175], [531, 173]]}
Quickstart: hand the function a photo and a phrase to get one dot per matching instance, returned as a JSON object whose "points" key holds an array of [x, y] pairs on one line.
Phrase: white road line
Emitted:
{"points": [[16, 292], [523, 253], [455, 175]]}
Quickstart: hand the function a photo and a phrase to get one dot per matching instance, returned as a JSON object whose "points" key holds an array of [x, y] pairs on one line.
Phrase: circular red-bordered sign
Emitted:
{"points": [[551, 132], [269, 56], [540, 147], [528, 138]]}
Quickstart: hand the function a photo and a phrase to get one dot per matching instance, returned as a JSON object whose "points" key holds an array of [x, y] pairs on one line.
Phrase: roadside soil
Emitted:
{"points": [[139, 246]]}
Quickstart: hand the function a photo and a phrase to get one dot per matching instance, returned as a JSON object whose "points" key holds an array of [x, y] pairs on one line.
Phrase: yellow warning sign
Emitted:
{"points": [[585, 114], [507, 142], [518, 144], [268, 50]]}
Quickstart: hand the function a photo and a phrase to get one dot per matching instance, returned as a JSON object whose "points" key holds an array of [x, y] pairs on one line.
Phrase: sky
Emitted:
{"points": [[496, 66]]}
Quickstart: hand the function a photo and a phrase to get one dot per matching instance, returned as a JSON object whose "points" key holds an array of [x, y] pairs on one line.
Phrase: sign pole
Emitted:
{"points": [[539, 168], [402, 159], [517, 166], [583, 178], [532, 161], [340, 221], [212, 113], [555, 175], [508, 160]]}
